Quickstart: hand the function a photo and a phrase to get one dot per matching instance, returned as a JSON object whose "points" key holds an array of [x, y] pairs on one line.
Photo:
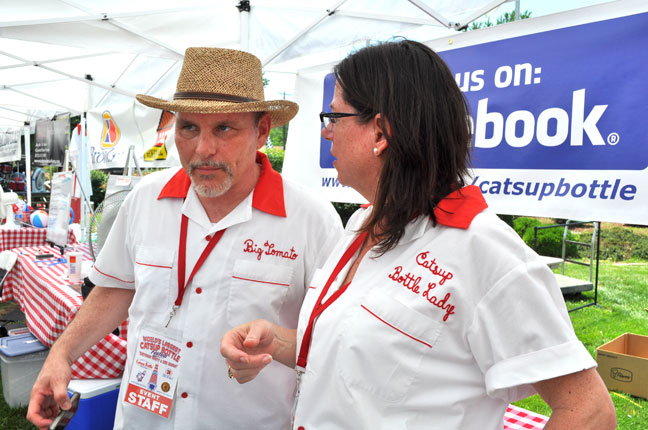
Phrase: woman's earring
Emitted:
{"points": [[376, 152]]}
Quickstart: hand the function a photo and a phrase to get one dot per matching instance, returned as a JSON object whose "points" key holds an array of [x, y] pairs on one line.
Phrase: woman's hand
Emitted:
{"points": [[250, 347]]}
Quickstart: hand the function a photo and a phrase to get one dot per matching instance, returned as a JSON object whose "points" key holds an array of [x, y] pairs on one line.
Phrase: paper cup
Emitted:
{"points": [[75, 266]]}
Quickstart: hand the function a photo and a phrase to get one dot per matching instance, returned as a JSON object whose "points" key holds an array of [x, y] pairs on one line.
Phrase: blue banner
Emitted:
{"points": [[326, 159], [572, 98], [558, 117]]}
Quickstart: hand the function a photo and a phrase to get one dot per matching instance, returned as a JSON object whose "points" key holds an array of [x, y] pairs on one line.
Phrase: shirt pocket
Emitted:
{"points": [[383, 345], [154, 280], [257, 290]]}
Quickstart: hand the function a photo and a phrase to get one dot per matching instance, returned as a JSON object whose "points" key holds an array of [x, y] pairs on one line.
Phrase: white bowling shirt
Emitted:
{"points": [[275, 239], [441, 332]]}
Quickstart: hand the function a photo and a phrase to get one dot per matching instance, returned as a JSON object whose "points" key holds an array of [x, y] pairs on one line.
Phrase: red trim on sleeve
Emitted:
{"points": [[113, 277], [459, 208], [268, 193]]}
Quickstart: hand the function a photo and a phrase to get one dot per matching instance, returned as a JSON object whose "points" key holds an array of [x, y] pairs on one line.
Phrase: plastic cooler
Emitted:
{"points": [[97, 403], [18, 331], [22, 357]]}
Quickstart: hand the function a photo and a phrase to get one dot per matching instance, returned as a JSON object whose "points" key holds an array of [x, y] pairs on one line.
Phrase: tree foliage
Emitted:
{"points": [[507, 17], [278, 136]]}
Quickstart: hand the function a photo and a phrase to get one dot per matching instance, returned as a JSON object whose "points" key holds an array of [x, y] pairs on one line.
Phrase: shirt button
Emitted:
{"points": [[198, 290], [184, 395], [189, 344], [208, 237]]}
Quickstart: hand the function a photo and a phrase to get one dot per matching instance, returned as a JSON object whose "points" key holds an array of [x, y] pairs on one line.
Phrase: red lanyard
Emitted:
{"points": [[182, 261], [319, 306]]}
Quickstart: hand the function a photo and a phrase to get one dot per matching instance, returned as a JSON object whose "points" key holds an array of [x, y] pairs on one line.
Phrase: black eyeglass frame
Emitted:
{"points": [[332, 116]]}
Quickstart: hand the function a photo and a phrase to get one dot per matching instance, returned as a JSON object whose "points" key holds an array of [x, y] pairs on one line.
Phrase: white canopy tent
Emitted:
{"points": [[70, 56], [59, 56]]}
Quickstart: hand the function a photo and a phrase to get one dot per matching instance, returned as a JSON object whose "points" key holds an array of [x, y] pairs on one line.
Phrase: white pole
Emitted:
{"points": [[83, 170], [244, 14], [28, 164]]}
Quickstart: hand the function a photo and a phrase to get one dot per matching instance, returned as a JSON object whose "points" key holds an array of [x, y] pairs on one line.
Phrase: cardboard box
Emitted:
{"points": [[22, 357], [623, 364], [97, 403]]}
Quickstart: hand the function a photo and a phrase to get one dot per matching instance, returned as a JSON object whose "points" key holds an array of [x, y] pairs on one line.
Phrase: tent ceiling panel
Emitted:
{"points": [[137, 46], [36, 9], [93, 35], [107, 70], [56, 98], [42, 52], [26, 75]]}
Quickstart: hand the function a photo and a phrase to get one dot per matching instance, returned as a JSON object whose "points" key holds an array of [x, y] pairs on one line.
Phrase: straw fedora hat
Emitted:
{"points": [[217, 80]]}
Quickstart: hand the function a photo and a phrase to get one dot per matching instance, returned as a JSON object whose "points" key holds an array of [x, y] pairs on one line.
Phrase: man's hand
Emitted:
{"points": [[85, 330], [250, 347], [49, 392]]}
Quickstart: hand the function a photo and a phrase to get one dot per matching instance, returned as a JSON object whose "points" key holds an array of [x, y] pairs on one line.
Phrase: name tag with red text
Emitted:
{"points": [[153, 376]]}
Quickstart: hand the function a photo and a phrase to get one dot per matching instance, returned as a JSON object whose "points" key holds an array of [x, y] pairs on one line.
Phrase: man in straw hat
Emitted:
{"points": [[242, 242]]}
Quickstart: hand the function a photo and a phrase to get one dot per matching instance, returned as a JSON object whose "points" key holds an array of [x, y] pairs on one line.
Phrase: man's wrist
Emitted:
{"points": [[59, 352]]}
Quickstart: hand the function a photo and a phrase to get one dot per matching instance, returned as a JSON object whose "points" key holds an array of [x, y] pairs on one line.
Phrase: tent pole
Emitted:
{"points": [[478, 14], [84, 180], [22, 113], [164, 75], [53, 60], [116, 80], [315, 23], [99, 16], [28, 163], [432, 13], [110, 19], [41, 99], [244, 14], [67, 75]]}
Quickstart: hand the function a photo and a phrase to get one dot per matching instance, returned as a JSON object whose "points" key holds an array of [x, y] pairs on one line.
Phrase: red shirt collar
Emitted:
{"points": [[459, 207], [268, 193]]}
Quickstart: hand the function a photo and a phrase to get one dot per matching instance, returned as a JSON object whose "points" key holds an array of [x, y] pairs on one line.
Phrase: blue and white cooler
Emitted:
{"points": [[97, 403]]}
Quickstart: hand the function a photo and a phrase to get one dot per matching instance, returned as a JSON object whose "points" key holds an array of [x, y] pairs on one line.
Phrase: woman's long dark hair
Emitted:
{"points": [[428, 149]]}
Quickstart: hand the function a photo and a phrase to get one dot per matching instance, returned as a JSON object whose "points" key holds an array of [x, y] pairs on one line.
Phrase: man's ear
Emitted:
{"points": [[381, 132], [263, 130]]}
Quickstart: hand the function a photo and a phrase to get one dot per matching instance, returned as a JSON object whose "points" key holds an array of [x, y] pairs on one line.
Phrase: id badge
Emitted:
{"points": [[153, 377]]}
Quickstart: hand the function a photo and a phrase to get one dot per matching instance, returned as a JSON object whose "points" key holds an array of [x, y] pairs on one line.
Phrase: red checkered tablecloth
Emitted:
{"points": [[41, 289], [27, 236], [518, 418]]}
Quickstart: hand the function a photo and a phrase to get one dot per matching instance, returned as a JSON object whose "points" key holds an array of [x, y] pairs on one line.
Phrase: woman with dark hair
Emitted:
{"points": [[431, 313]]}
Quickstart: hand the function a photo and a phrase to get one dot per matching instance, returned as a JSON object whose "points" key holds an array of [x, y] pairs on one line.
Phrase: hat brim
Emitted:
{"points": [[281, 111]]}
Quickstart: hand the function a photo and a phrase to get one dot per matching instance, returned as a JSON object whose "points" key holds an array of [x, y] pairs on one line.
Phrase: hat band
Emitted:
{"points": [[211, 96]]}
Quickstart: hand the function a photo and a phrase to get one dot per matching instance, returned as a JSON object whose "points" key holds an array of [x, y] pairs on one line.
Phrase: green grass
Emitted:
{"points": [[623, 299], [13, 418]]}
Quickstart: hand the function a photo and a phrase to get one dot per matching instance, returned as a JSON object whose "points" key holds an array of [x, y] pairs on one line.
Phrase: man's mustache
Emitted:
{"points": [[211, 164]]}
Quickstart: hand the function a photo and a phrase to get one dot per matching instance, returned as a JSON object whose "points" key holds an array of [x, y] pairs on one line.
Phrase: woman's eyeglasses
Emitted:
{"points": [[328, 118]]}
